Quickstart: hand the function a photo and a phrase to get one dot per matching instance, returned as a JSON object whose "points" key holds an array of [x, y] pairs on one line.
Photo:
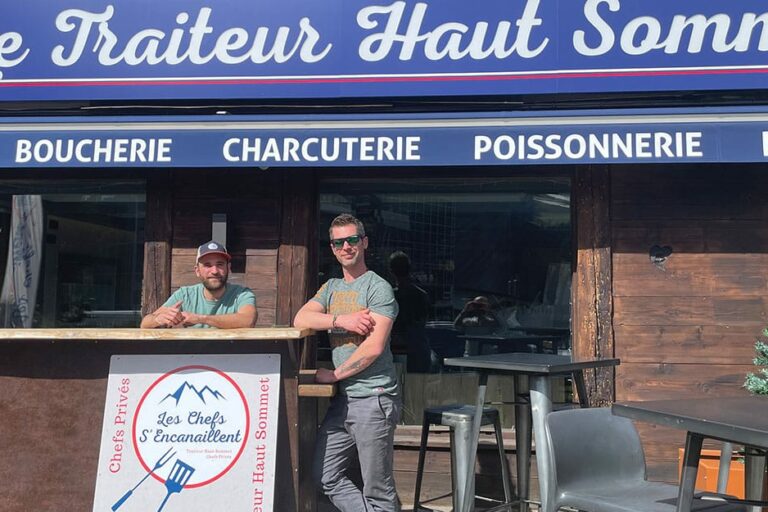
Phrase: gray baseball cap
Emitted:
{"points": [[212, 247]]}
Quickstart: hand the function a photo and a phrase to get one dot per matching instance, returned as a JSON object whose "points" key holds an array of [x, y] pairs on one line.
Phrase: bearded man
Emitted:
{"points": [[210, 304]]}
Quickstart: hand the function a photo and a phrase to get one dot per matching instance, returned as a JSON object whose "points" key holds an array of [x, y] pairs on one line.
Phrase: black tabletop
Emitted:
{"points": [[524, 362], [742, 419]]}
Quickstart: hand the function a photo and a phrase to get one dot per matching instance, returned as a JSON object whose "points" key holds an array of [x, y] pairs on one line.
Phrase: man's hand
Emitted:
{"points": [[325, 376], [168, 316], [190, 319], [360, 322]]}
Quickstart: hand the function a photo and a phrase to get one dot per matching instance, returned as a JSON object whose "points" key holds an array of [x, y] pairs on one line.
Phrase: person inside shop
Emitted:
{"points": [[477, 317], [358, 311], [409, 330], [212, 303]]}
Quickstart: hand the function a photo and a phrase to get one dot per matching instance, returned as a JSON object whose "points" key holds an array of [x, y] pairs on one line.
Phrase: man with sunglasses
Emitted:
{"points": [[358, 312]]}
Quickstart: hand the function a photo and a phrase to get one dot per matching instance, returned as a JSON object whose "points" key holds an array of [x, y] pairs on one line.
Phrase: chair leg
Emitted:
{"points": [[420, 468], [463, 472], [454, 471], [503, 460]]}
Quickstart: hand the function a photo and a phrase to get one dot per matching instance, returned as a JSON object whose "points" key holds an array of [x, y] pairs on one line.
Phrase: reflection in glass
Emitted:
{"points": [[72, 253], [491, 256]]}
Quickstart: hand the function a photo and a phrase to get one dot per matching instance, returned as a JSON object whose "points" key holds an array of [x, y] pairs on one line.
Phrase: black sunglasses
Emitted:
{"points": [[353, 240]]}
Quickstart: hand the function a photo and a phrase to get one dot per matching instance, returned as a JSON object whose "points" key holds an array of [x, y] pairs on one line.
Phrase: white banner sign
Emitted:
{"points": [[188, 433], [22, 272]]}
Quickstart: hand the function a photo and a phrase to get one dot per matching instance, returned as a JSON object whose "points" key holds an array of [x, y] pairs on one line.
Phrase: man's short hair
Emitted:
{"points": [[400, 264], [346, 219]]}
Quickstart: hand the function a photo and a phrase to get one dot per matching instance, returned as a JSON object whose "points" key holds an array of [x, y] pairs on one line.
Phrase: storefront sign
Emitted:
{"points": [[187, 432], [390, 141], [142, 49]]}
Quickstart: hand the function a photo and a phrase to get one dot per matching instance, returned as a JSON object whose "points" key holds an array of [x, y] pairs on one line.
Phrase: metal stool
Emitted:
{"points": [[459, 418]]}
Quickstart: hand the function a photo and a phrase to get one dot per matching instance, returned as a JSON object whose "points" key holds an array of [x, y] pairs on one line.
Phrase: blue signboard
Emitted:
{"points": [[170, 49], [470, 140]]}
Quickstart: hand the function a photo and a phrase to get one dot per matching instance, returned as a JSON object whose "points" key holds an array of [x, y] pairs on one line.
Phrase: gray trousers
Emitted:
{"points": [[366, 427]]}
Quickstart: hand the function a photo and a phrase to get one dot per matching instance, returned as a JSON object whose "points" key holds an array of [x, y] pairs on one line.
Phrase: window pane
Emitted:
{"points": [[71, 253], [490, 257]]}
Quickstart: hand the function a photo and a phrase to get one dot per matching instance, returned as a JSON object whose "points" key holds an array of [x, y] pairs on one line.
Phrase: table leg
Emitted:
{"points": [[523, 440], [726, 451], [754, 472], [691, 458], [541, 405], [469, 498], [581, 388]]}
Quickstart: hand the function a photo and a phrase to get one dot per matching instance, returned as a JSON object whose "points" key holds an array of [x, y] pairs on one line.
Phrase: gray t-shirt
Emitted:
{"points": [[338, 298], [193, 300]]}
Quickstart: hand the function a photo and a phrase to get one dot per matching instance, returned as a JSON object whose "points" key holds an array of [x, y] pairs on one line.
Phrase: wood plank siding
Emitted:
{"points": [[684, 325]]}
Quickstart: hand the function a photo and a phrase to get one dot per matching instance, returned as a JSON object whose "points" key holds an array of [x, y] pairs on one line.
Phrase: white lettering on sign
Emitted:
{"points": [[11, 53], [389, 32], [453, 40], [645, 34], [234, 45], [93, 151], [322, 149], [765, 144], [576, 146]]}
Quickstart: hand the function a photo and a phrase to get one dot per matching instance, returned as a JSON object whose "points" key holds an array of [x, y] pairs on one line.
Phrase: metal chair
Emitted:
{"points": [[599, 466], [459, 418]]}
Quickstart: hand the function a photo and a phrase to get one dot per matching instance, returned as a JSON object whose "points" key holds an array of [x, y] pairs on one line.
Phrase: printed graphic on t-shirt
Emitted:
{"points": [[342, 303]]}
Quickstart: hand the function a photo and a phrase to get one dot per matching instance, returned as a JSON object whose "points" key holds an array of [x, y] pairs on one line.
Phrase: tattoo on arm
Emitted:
{"points": [[356, 365]]}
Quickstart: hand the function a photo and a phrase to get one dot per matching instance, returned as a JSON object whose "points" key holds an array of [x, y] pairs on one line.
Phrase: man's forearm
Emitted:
{"points": [[361, 358], [314, 320], [229, 321], [149, 322]]}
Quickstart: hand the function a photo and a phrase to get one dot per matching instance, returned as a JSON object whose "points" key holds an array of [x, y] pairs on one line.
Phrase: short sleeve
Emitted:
{"points": [[381, 300], [244, 298], [322, 296], [177, 296]]}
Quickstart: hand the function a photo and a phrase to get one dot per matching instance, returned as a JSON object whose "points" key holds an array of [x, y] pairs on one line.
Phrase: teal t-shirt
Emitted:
{"points": [[193, 300], [338, 298]]}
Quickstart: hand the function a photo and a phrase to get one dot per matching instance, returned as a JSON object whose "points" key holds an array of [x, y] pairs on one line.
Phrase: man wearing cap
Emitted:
{"points": [[210, 304], [358, 312]]}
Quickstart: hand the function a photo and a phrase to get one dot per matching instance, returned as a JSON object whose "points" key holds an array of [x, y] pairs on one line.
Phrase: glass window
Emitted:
{"points": [[71, 253], [479, 265]]}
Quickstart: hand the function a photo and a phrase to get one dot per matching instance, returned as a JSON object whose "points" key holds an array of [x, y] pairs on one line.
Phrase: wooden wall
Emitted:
{"points": [[270, 225], [685, 325]]}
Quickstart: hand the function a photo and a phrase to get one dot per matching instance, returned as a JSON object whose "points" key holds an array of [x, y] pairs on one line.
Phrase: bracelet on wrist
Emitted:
{"points": [[333, 322]]}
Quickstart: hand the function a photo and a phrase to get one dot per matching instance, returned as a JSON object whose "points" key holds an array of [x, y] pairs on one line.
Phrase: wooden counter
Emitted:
{"points": [[263, 333], [52, 392]]}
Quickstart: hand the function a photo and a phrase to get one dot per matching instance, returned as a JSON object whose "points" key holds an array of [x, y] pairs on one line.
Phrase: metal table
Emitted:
{"points": [[531, 374], [741, 420]]}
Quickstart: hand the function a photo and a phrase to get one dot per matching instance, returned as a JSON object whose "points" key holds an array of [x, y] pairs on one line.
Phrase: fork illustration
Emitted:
{"points": [[160, 462], [180, 474]]}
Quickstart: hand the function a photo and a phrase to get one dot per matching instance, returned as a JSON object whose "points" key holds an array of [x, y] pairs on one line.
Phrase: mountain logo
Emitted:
{"points": [[201, 394]]}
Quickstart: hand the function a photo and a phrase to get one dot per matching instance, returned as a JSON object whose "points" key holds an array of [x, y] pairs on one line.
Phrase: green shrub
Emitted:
{"points": [[757, 383]]}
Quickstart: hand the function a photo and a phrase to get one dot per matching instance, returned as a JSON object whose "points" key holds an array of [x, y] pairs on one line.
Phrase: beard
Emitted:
{"points": [[214, 284]]}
